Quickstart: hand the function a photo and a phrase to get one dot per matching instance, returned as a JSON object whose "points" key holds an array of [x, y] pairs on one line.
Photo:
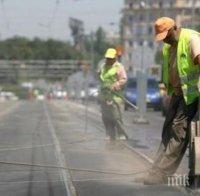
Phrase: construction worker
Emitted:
{"points": [[113, 78], [181, 71]]}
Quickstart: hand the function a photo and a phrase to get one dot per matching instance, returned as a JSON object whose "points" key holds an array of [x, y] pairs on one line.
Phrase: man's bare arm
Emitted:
{"points": [[197, 60]]}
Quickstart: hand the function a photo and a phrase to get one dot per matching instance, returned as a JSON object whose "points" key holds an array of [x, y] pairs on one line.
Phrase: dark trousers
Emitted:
{"points": [[112, 119], [175, 134]]}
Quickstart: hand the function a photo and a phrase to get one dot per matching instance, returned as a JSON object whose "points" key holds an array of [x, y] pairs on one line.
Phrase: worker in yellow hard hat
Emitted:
{"points": [[113, 78]]}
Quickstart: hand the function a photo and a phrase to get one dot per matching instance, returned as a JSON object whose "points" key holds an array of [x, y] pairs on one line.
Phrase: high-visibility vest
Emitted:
{"points": [[108, 76], [188, 72]]}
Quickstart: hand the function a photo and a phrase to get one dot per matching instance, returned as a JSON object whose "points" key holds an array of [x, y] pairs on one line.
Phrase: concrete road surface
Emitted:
{"points": [[85, 147], [25, 138], [56, 134]]}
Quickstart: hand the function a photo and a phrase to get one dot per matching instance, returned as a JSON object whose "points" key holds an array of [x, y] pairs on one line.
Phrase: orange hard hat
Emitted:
{"points": [[162, 26]]}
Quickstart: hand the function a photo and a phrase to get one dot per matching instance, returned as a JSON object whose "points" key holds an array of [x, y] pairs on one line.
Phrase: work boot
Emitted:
{"points": [[155, 177], [122, 137]]}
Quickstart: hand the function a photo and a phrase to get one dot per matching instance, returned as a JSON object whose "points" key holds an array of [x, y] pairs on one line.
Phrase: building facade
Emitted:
{"points": [[137, 27]]}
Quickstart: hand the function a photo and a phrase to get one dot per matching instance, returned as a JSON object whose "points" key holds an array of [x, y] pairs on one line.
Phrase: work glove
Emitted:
{"points": [[115, 86]]}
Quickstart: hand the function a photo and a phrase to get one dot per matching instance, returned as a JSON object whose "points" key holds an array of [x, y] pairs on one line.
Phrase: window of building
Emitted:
{"points": [[130, 43], [150, 44], [150, 30], [130, 56], [160, 4], [135, 44], [141, 17], [130, 18], [139, 31]]}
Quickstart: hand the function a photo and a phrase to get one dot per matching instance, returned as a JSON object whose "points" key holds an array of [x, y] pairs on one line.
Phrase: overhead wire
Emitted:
{"points": [[71, 168], [66, 168], [21, 147], [4, 12], [26, 147], [13, 148], [53, 17], [74, 180]]}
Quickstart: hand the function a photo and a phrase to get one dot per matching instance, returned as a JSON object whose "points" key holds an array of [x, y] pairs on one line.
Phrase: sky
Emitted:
{"points": [[50, 18]]}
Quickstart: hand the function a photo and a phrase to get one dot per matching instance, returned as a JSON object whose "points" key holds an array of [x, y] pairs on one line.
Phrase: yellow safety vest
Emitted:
{"points": [[188, 72], [108, 76]]}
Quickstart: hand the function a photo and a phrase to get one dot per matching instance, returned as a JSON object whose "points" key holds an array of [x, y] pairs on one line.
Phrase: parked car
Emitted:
{"points": [[153, 96], [93, 91], [7, 95]]}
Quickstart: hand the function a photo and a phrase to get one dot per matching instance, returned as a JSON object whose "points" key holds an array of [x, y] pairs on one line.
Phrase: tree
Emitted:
{"points": [[21, 48], [99, 44]]}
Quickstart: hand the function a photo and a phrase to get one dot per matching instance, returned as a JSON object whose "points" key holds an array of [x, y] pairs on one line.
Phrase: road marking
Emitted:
{"points": [[11, 148], [59, 156], [139, 153]]}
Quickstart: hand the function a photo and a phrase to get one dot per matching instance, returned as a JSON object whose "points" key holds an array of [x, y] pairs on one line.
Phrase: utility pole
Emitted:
{"points": [[142, 73], [92, 49]]}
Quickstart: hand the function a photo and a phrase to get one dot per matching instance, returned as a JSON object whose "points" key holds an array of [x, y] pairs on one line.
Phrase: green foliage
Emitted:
{"points": [[22, 48], [99, 44]]}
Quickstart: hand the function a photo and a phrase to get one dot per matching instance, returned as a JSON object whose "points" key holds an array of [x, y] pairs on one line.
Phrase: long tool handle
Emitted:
{"points": [[122, 97], [126, 100]]}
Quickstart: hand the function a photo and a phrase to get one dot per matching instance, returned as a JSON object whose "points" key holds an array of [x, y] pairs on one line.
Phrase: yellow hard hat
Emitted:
{"points": [[111, 53]]}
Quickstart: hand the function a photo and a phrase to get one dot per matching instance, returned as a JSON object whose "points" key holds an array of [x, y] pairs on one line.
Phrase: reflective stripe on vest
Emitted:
{"points": [[190, 90], [190, 77]]}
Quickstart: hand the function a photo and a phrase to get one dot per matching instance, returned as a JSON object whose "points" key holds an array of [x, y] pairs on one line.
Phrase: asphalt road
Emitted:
{"points": [[56, 133], [85, 147], [145, 138], [22, 132]]}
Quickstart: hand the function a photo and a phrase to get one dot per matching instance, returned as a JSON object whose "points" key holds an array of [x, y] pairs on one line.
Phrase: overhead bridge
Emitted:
{"points": [[35, 69]]}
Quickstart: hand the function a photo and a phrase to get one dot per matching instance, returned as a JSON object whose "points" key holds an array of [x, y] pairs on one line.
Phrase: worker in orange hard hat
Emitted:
{"points": [[181, 71], [113, 78], [119, 50]]}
